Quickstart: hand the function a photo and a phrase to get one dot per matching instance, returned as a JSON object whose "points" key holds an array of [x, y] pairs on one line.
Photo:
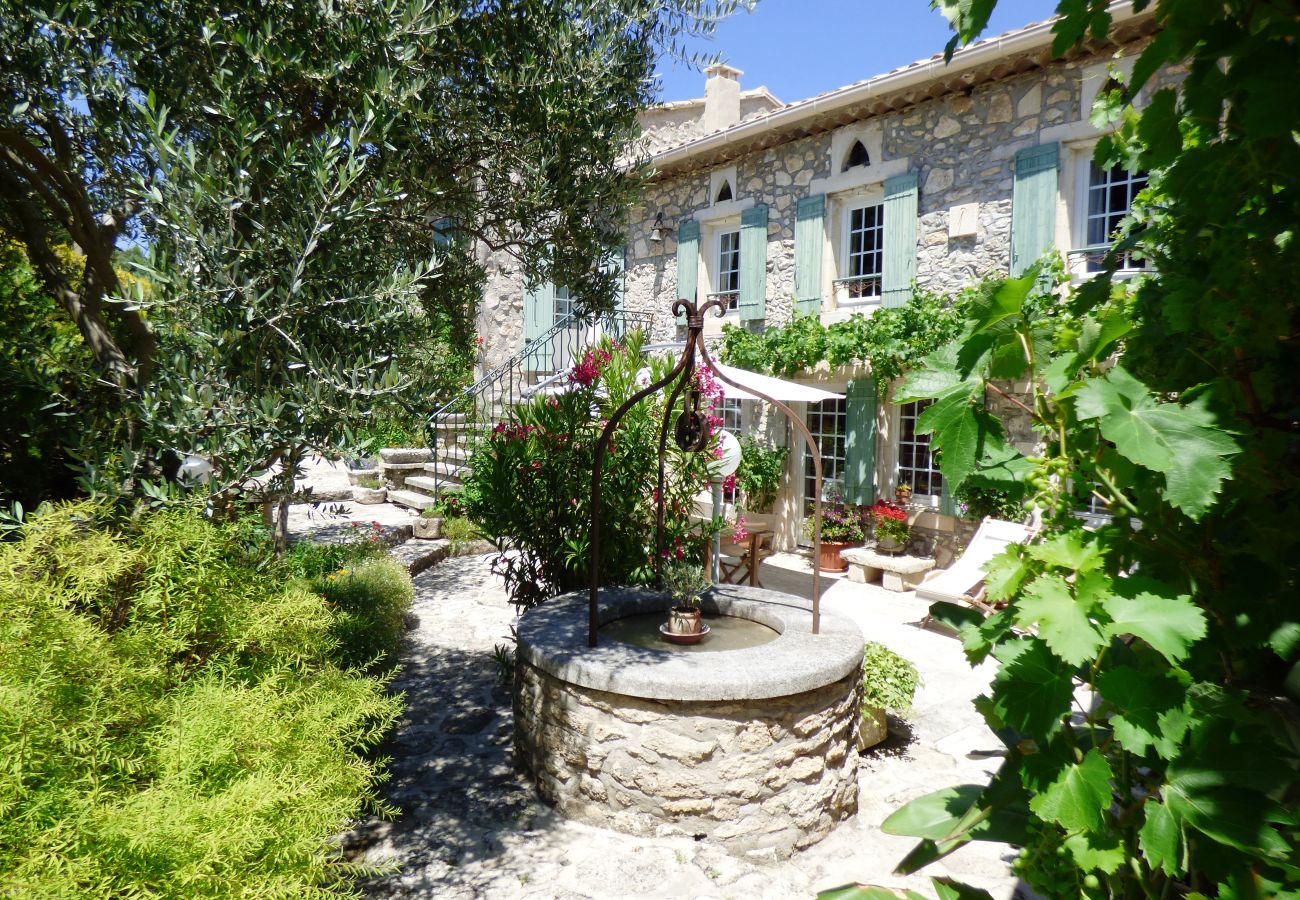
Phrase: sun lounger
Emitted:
{"points": [[963, 581]]}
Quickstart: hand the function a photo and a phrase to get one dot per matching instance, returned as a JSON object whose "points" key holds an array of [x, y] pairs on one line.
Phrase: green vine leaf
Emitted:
{"points": [[1079, 796], [1096, 852], [1181, 442], [1144, 701], [1151, 612], [1032, 691], [1071, 550], [1060, 620], [1159, 837]]}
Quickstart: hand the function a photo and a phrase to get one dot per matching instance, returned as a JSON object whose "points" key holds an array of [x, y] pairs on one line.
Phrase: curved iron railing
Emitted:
{"points": [[452, 427]]}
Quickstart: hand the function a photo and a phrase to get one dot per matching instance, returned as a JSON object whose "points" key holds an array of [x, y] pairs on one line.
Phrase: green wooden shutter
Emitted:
{"points": [[809, 236], [947, 505], [753, 264], [539, 316], [1033, 205], [444, 234], [688, 261], [860, 441], [900, 239]]}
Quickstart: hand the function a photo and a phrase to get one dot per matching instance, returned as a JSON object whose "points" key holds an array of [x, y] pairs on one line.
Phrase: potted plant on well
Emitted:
{"points": [[685, 583], [843, 525], [891, 528], [888, 684]]}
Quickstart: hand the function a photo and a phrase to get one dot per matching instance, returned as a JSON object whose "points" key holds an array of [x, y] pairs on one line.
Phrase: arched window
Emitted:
{"points": [[724, 192], [858, 156]]}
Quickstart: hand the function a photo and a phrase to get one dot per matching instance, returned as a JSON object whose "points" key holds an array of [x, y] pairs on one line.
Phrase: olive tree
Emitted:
{"points": [[288, 167]]}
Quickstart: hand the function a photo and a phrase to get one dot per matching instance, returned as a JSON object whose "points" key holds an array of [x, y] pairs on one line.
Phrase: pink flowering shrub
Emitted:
{"points": [[529, 490]]}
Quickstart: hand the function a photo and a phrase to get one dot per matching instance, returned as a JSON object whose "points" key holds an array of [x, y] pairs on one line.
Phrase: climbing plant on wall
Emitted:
{"points": [[891, 340]]}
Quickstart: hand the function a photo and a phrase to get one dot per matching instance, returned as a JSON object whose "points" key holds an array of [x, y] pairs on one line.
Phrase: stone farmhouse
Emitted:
{"points": [[933, 174]]}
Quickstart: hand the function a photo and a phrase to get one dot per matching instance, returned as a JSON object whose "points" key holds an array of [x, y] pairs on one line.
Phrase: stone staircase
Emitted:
{"points": [[417, 477]]}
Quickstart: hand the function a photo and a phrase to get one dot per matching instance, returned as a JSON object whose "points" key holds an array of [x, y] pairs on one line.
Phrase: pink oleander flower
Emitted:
{"points": [[739, 533], [729, 483]]}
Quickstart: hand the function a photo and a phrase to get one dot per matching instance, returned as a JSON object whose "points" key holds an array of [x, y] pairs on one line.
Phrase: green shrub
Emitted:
{"points": [[171, 718], [388, 431], [370, 603], [307, 559], [759, 475], [459, 530], [888, 680]]}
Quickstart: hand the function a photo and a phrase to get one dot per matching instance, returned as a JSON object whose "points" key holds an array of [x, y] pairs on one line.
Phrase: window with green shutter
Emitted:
{"points": [[539, 316], [688, 261], [753, 263], [809, 238], [860, 441], [1033, 205], [900, 238]]}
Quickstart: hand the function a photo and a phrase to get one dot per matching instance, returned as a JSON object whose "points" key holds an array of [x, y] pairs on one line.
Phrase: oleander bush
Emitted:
{"points": [[173, 721], [529, 490]]}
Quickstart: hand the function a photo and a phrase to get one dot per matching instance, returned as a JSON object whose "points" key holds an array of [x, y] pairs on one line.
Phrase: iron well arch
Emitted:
{"points": [[680, 376]]}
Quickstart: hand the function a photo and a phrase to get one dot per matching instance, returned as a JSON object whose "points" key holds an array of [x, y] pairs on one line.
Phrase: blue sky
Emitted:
{"points": [[798, 48]]}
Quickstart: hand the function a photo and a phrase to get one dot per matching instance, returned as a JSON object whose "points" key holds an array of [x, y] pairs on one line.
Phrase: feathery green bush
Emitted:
{"points": [[172, 721], [370, 603]]}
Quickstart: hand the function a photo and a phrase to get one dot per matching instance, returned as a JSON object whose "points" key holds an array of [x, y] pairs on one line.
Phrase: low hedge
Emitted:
{"points": [[178, 715]]}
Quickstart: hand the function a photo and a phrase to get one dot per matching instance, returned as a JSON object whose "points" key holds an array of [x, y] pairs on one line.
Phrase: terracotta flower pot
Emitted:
{"points": [[684, 620], [828, 558]]}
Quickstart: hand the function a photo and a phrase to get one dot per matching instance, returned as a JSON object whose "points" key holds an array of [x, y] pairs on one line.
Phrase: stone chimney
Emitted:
{"points": [[721, 97]]}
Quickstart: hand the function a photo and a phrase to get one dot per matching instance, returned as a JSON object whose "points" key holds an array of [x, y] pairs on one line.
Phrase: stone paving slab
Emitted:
{"points": [[470, 826]]}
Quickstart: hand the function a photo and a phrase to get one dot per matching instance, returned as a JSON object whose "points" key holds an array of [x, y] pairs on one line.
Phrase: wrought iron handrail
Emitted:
{"points": [[495, 392]]}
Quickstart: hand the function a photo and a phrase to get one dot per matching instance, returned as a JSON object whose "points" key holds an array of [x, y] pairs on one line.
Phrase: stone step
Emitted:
{"points": [[451, 453], [452, 418], [425, 485], [418, 555], [392, 456], [410, 499], [403, 466], [447, 470], [463, 425]]}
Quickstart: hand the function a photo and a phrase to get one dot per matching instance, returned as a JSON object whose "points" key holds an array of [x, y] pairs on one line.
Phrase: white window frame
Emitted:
{"points": [[1078, 249], [733, 296], [568, 299], [895, 457], [732, 409], [843, 287], [842, 212], [833, 467]]}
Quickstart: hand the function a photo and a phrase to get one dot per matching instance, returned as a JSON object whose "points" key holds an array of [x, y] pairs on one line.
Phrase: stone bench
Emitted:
{"points": [[896, 572]]}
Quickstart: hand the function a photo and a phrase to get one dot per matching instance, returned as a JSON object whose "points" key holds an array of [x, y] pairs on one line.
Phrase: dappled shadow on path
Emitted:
{"points": [[452, 775]]}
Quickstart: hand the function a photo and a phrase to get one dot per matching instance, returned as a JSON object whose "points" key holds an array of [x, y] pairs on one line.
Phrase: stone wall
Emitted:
{"points": [[763, 778]]}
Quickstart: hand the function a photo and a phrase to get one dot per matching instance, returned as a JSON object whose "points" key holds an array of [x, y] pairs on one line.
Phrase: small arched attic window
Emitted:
{"points": [[724, 192], [857, 156]]}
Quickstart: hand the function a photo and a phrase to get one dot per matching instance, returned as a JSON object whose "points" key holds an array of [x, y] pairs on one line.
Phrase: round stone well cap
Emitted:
{"points": [[553, 637]]}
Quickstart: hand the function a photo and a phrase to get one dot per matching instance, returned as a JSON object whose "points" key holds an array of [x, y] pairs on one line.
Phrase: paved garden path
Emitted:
{"points": [[470, 826]]}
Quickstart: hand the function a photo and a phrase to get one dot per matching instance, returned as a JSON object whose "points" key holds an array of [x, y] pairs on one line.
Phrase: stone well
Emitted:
{"points": [[751, 748]]}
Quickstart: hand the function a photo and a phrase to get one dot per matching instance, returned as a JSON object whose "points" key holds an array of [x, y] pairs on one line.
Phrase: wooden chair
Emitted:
{"points": [[736, 565]]}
